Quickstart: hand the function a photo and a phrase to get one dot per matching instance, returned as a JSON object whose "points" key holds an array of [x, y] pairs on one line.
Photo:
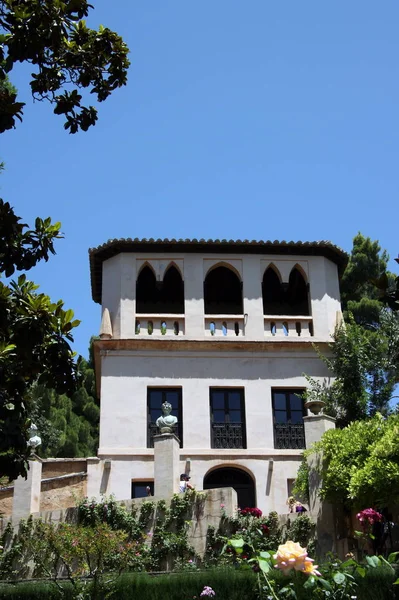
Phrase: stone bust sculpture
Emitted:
{"points": [[166, 422]]}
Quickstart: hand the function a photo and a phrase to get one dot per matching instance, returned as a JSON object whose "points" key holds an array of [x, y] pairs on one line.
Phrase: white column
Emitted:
{"points": [[27, 492], [128, 296], [166, 465], [252, 298], [315, 426], [194, 296]]}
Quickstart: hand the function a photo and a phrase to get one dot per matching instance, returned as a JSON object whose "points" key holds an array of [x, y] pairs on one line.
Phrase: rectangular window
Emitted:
{"points": [[139, 489], [155, 398], [288, 413], [227, 418]]}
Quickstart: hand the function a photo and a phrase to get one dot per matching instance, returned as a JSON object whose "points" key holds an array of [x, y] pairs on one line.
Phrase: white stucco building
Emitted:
{"points": [[224, 331]]}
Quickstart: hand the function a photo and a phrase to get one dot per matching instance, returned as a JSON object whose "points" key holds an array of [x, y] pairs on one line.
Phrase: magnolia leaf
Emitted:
{"points": [[264, 565], [325, 584], [239, 543], [339, 578], [373, 561], [310, 583]]}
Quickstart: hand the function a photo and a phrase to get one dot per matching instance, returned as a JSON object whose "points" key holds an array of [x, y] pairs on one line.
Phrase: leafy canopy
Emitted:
{"points": [[365, 366], [68, 423], [35, 333], [367, 285], [360, 463], [68, 56]]}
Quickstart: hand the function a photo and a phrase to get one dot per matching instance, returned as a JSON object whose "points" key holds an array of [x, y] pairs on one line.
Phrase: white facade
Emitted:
{"points": [[197, 352]]}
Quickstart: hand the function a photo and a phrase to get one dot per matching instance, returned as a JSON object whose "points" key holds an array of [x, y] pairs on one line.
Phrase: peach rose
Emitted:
{"points": [[291, 555]]}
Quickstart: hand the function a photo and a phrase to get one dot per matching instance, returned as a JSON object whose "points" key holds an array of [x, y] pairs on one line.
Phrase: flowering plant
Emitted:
{"points": [[368, 517], [251, 512], [207, 591], [292, 556]]}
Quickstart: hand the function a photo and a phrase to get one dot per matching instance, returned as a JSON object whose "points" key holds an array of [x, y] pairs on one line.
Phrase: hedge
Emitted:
{"points": [[228, 584]]}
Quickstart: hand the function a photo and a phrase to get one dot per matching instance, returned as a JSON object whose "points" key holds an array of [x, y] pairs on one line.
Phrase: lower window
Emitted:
{"points": [[227, 418], [288, 413], [140, 489]]}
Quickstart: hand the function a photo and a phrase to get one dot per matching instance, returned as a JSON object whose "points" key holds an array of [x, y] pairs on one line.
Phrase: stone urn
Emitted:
{"points": [[315, 406]]}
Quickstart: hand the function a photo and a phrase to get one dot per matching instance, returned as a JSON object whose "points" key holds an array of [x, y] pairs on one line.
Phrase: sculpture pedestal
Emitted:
{"points": [[166, 464], [322, 512], [315, 426], [27, 492]]}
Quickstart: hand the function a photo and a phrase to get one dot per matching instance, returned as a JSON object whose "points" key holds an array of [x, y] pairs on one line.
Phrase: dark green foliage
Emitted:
{"points": [[301, 486], [53, 36], [362, 284], [378, 585], [68, 424], [364, 355], [302, 530], [92, 513], [365, 364], [360, 463], [229, 584], [168, 543], [36, 591], [35, 335], [264, 532]]}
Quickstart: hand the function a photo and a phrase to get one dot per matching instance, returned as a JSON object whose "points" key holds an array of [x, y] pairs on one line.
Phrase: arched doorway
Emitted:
{"points": [[235, 478]]}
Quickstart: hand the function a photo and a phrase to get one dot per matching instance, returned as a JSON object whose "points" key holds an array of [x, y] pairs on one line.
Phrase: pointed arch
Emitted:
{"points": [[176, 266], [223, 291], [272, 291], [145, 265], [297, 295], [147, 293], [172, 291], [226, 265], [301, 270]]}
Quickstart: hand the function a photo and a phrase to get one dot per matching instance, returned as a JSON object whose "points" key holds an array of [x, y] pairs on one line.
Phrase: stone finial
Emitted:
{"points": [[315, 406], [166, 422], [106, 327], [34, 439]]}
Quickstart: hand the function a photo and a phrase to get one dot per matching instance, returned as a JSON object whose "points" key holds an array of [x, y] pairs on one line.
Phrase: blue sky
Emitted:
{"points": [[260, 120]]}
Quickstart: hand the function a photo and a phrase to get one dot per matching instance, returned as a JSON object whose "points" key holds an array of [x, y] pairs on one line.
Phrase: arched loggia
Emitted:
{"points": [[172, 292], [222, 292], [147, 292], [285, 299]]}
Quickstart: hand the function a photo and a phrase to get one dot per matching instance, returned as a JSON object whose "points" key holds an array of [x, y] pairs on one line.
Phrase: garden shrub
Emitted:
{"points": [[228, 584]]}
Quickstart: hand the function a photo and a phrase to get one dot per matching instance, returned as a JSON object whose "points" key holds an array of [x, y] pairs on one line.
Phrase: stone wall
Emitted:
{"points": [[205, 513], [6, 498], [62, 492], [63, 483]]}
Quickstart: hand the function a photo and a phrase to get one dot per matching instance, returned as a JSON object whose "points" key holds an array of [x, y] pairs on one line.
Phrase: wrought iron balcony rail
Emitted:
{"points": [[228, 435], [289, 436]]}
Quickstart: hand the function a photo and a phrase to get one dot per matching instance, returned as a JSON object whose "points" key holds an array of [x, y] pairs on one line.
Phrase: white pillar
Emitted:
{"points": [[322, 512], [315, 426], [166, 464], [27, 492]]}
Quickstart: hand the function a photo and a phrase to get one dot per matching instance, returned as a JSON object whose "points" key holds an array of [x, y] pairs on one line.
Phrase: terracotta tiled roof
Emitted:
{"points": [[113, 247]]}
